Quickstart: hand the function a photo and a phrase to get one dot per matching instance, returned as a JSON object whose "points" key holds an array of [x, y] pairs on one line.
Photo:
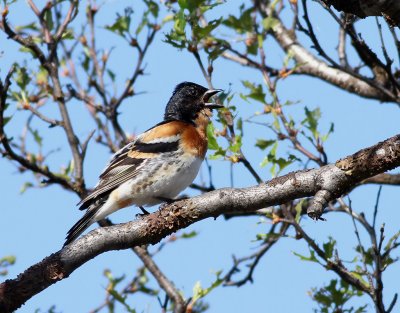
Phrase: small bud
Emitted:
{"points": [[281, 136], [192, 48], [131, 91], [40, 158], [292, 132], [278, 110], [210, 69], [134, 42], [267, 109], [83, 40], [5, 11], [26, 105], [65, 72], [208, 43], [34, 98], [283, 73], [93, 10], [250, 40], [234, 159]]}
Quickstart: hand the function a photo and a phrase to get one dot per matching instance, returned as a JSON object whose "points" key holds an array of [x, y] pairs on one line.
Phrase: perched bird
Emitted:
{"points": [[158, 164]]}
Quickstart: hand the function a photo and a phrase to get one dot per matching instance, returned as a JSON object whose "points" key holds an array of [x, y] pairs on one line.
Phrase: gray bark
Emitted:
{"points": [[326, 183]]}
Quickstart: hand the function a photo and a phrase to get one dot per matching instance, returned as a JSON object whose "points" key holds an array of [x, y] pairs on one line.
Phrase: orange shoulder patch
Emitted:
{"points": [[165, 130]]}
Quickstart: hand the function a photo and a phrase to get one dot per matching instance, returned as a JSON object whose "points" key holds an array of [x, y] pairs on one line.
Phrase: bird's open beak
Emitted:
{"points": [[208, 95]]}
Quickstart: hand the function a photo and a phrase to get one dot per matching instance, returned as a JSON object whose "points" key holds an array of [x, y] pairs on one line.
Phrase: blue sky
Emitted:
{"points": [[33, 225]]}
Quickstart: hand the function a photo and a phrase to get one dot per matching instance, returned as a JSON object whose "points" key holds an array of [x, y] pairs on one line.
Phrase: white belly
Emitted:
{"points": [[167, 182], [164, 181]]}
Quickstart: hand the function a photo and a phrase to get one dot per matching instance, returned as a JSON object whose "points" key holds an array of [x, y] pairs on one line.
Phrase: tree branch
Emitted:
{"points": [[163, 281], [311, 65], [337, 179], [363, 8]]}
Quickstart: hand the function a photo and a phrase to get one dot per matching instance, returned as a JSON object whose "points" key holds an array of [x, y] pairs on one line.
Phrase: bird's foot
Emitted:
{"points": [[143, 214]]}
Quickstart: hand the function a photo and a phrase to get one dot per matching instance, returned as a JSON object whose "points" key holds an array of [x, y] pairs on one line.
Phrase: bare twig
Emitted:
{"points": [[9, 151], [163, 281], [271, 239]]}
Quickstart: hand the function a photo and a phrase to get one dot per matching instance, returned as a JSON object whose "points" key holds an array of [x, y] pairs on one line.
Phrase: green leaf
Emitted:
{"points": [[152, 7], [6, 119], [180, 23], [192, 234], [334, 296], [217, 154], [283, 163], [212, 140], [175, 40], [70, 168], [191, 5], [121, 24], [269, 23], [392, 241], [311, 258], [21, 77], [42, 76], [121, 299], [111, 74], [38, 139], [48, 18], [68, 34], [199, 292], [25, 186], [256, 91], [311, 120], [360, 278], [299, 209], [243, 24], [7, 260], [202, 32], [27, 50], [267, 236], [329, 247], [236, 145], [30, 26], [330, 131], [264, 144]]}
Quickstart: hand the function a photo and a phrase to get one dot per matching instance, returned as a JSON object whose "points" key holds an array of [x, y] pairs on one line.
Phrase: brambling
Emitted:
{"points": [[158, 164]]}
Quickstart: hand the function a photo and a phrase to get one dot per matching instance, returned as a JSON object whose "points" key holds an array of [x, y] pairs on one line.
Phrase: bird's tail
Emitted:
{"points": [[80, 226]]}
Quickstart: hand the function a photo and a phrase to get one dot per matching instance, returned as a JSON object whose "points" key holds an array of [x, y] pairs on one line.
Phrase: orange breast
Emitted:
{"points": [[194, 142], [195, 138]]}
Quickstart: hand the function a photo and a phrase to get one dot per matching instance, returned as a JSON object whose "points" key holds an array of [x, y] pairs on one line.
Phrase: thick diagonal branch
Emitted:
{"points": [[337, 179], [390, 9], [311, 65]]}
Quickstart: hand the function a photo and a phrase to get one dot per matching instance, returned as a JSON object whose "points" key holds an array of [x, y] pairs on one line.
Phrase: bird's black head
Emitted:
{"points": [[187, 100]]}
